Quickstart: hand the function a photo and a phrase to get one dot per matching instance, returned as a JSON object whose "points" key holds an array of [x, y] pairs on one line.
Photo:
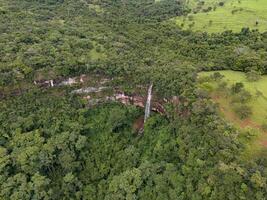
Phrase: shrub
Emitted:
{"points": [[237, 87], [222, 86], [243, 111], [221, 3], [217, 76], [210, 22], [253, 75], [207, 9], [242, 97], [190, 18], [259, 94]]}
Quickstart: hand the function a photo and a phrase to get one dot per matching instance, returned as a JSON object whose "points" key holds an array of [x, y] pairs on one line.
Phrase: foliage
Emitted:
{"points": [[253, 76], [67, 38], [243, 111], [55, 147], [237, 88], [62, 150], [225, 15], [253, 93]]}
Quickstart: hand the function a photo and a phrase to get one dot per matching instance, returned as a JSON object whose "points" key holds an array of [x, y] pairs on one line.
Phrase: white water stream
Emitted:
{"points": [[148, 102]]}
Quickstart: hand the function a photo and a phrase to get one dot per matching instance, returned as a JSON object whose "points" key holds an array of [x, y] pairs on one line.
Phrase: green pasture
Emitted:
{"points": [[233, 15], [258, 102]]}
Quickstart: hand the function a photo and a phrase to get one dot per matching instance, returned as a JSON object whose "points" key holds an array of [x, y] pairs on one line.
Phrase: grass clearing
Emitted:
{"points": [[97, 53], [258, 103], [231, 16], [252, 126]]}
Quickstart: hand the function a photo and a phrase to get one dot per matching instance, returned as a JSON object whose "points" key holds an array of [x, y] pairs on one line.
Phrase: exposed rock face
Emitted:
{"points": [[70, 81], [139, 101], [89, 90], [60, 82], [119, 96]]}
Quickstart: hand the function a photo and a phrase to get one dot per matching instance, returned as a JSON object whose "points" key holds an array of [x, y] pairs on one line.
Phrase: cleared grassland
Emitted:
{"points": [[257, 138], [257, 103], [233, 15]]}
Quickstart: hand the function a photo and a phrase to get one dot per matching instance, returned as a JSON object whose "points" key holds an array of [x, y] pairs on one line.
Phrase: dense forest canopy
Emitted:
{"points": [[63, 38], [54, 146]]}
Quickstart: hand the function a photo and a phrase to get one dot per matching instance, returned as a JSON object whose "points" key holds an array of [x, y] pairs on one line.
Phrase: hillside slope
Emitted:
{"points": [[231, 15]]}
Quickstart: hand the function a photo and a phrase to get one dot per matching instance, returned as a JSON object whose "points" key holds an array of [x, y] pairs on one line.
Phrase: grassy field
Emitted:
{"points": [[97, 54], [233, 15], [258, 105]]}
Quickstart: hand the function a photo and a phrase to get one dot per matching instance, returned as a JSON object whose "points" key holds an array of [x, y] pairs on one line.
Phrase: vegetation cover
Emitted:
{"points": [[56, 145], [216, 16], [255, 94], [242, 101]]}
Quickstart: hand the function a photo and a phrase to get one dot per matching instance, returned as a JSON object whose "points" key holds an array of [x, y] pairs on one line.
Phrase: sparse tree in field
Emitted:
{"points": [[190, 18], [237, 87], [217, 76], [210, 22], [221, 3], [243, 111], [242, 97], [222, 86]]}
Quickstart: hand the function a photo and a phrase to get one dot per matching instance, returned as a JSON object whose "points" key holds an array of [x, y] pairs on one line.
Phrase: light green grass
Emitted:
{"points": [[252, 137], [258, 104], [194, 4], [222, 18], [95, 7], [97, 55]]}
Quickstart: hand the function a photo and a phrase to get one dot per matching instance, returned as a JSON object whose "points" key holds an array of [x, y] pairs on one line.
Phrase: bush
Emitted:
{"points": [[222, 86], [238, 87], [221, 3], [190, 18], [259, 94], [242, 97], [243, 111], [217, 76], [253, 75]]}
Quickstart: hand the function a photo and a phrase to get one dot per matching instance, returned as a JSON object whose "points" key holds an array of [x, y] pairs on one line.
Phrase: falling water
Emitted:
{"points": [[148, 102], [51, 83]]}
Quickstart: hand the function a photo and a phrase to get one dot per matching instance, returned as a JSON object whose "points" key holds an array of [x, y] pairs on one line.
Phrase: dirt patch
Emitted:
{"points": [[138, 124], [249, 123], [245, 123], [264, 143]]}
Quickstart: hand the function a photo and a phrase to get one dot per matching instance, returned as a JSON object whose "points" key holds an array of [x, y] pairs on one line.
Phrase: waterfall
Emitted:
{"points": [[148, 102], [52, 83]]}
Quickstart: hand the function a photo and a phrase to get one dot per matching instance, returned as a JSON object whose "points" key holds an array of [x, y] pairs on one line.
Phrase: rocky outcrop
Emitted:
{"points": [[139, 101], [60, 82]]}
